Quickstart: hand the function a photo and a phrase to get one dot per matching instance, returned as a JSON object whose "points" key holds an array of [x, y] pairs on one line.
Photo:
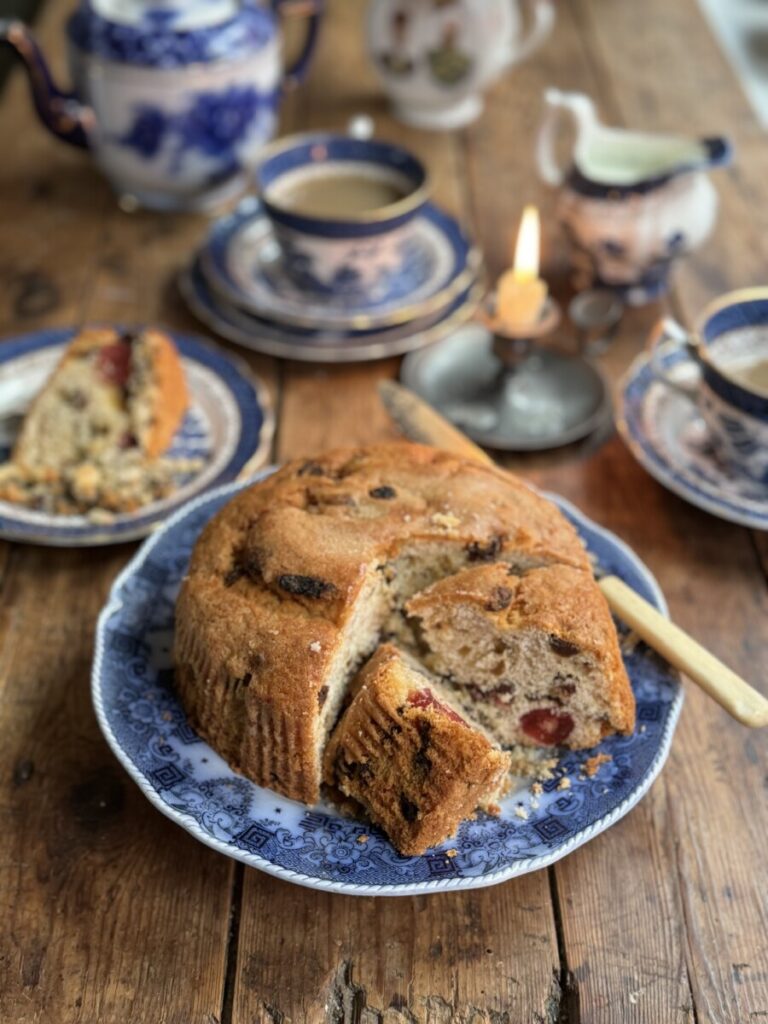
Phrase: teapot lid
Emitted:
{"points": [[169, 33]]}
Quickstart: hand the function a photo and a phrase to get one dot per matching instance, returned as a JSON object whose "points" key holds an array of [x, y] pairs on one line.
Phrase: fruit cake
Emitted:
{"points": [[533, 655], [405, 754], [94, 434], [295, 581]]}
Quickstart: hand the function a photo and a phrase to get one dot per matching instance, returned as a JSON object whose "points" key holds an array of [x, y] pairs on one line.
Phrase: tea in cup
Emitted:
{"points": [[730, 348], [342, 210]]}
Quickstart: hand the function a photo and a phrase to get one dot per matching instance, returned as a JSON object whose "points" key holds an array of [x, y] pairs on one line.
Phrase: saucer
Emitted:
{"points": [[320, 346], [668, 437], [228, 427], [242, 261], [553, 398]]}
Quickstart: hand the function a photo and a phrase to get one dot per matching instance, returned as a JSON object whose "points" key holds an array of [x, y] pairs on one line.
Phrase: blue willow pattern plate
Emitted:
{"points": [[228, 427], [242, 261], [141, 717], [668, 437]]}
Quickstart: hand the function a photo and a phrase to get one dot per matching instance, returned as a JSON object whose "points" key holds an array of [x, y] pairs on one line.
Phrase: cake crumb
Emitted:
{"points": [[536, 788], [445, 519], [520, 812], [167, 716], [564, 783], [362, 839], [315, 647], [592, 765], [642, 728], [451, 853], [534, 803]]}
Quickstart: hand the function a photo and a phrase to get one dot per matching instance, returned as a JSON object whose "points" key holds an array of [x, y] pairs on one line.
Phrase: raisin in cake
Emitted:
{"points": [[292, 584], [406, 755], [93, 435], [534, 656]]}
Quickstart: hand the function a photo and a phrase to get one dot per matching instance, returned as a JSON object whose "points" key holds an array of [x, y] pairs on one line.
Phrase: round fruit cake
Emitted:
{"points": [[301, 577]]}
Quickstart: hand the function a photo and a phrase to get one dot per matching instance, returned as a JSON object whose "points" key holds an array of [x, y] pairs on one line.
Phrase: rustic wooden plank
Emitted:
{"points": [[621, 929], [707, 568], [306, 956], [111, 912]]}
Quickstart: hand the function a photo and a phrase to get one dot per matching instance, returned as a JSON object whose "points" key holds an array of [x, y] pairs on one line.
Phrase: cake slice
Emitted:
{"points": [[534, 656], [93, 435], [403, 752]]}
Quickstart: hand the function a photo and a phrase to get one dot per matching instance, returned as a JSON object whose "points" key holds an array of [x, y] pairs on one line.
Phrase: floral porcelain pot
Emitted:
{"points": [[174, 98], [435, 58], [631, 202]]}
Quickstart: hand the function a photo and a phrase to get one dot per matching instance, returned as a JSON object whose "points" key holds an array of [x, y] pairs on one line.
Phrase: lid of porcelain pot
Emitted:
{"points": [[179, 15], [170, 33]]}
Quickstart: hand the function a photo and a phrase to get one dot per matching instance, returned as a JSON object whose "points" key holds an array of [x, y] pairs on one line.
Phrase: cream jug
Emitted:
{"points": [[631, 202]]}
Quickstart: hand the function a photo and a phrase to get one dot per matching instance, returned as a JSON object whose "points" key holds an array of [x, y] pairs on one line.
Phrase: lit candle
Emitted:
{"points": [[520, 292]]}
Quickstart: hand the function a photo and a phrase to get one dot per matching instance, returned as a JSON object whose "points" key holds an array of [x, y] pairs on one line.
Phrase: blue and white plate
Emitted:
{"points": [[320, 346], [228, 426], [669, 438], [241, 260], [181, 775]]}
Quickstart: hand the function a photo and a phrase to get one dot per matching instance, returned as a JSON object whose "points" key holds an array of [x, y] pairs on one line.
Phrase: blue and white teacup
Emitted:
{"points": [[729, 345], [353, 257]]}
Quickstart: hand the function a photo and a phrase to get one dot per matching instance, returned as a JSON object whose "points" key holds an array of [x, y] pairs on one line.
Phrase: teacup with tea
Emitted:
{"points": [[730, 347], [342, 210]]}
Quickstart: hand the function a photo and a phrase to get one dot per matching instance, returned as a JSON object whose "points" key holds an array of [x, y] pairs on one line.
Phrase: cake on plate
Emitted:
{"points": [[299, 578], [94, 435]]}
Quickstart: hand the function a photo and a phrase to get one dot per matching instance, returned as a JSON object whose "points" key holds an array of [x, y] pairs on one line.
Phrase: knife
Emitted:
{"points": [[418, 421]]}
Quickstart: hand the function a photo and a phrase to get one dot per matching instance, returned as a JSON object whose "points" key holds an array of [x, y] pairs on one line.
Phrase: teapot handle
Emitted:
{"points": [[313, 11], [542, 20], [549, 168]]}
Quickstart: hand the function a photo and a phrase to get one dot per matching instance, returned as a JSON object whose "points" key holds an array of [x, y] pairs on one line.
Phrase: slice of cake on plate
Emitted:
{"points": [[534, 656], [93, 436], [405, 753]]}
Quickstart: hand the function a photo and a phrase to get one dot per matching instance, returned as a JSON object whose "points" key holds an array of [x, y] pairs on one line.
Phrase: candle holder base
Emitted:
{"points": [[544, 399]]}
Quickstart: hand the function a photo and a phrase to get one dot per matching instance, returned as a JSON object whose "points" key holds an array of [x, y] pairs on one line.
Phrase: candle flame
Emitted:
{"points": [[526, 264]]}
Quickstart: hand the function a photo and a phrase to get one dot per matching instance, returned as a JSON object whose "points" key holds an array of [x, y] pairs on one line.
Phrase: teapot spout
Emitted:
{"points": [[61, 113]]}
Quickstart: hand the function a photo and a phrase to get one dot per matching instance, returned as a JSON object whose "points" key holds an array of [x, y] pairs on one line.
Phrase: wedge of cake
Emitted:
{"points": [[533, 656], [404, 753], [94, 434]]}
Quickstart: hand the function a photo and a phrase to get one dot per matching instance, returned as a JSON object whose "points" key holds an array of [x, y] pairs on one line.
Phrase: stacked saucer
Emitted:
{"points": [[237, 286]]}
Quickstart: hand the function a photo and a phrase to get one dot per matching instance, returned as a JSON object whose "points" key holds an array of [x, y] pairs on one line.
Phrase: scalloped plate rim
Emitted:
{"points": [[520, 867]]}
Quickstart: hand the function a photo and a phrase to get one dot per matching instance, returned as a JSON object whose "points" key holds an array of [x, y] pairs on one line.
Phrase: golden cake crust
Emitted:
{"points": [[278, 573]]}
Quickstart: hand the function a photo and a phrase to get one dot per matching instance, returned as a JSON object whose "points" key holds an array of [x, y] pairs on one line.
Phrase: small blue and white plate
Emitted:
{"points": [[668, 437], [228, 426], [241, 260], [320, 346], [144, 723]]}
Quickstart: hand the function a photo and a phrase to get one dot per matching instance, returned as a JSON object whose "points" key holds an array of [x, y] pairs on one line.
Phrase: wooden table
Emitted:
{"points": [[109, 912]]}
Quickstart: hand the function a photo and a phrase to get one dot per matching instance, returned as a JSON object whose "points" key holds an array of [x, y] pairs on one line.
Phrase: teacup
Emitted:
{"points": [[729, 344], [343, 212]]}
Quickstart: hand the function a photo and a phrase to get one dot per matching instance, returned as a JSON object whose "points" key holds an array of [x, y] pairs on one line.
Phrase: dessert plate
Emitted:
{"points": [[320, 346], [241, 260], [144, 723], [228, 426], [668, 437]]}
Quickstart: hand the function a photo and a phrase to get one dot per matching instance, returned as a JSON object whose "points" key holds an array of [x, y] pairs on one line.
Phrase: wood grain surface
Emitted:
{"points": [[110, 913]]}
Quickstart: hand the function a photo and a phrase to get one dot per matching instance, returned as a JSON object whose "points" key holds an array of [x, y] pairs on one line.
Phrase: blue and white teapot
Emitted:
{"points": [[174, 98], [631, 202]]}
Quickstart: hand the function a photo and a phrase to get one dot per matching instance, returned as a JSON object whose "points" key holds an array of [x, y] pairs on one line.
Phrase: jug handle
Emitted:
{"points": [[313, 11], [542, 20], [61, 113], [669, 335], [549, 168]]}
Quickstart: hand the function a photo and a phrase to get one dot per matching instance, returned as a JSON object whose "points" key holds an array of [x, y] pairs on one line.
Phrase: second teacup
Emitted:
{"points": [[343, 210], [730, 346]]}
